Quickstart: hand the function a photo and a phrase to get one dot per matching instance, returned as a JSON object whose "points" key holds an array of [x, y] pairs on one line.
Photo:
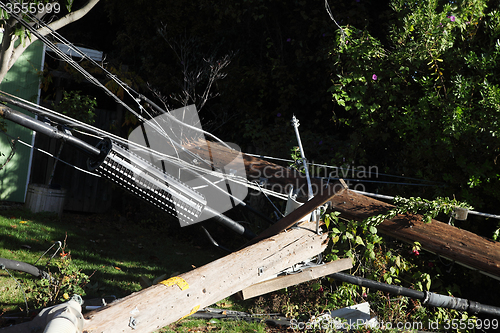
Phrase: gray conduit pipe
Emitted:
{"points": [[428, 298]]}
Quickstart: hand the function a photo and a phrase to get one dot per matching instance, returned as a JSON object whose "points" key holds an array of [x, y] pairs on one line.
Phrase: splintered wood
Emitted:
{"points": [[162, 304], [255, 168]]}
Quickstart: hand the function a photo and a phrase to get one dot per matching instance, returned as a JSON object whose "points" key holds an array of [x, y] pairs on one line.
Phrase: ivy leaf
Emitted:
{"points": [[335, 231], [371, 254], [397, 262], [335, 239]]}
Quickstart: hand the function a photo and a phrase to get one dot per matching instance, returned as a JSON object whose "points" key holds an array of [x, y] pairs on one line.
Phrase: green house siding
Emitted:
{"points": [[22, 80]]}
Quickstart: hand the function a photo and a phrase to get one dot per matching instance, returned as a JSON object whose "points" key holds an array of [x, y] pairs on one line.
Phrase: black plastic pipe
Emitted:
{"points": [[21, 267], [41, 127], [389, 288], [428, 298]]}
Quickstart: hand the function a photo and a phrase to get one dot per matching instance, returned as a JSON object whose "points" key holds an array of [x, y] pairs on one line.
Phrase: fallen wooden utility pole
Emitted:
{"points": [[178, 297], [173, 299], [296, 215], [461, 246], [255, 168]]}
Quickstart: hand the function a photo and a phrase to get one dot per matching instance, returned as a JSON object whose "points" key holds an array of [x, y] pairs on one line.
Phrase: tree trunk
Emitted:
{"points": [[9, 54], [6, 48]]}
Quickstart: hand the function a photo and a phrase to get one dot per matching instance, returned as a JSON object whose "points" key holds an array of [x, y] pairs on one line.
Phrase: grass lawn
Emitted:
{"points": [[112, 249]]}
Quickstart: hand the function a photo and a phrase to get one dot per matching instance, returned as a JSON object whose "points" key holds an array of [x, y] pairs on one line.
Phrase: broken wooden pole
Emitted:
{"points": [[255, 168], [175, 298], [461, 246]]}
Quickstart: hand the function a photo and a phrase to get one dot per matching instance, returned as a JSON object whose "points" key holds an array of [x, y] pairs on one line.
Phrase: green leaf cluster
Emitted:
{"points": [[426, 96], [384, 260], [65, 280], [429, 209], [77, 106]]}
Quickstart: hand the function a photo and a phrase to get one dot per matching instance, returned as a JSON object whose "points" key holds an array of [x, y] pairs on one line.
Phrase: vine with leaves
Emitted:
{"points": [[386, 260]]}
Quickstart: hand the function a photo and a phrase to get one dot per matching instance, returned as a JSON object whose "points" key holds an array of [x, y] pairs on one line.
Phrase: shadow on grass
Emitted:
{"points": [[116, 251]]}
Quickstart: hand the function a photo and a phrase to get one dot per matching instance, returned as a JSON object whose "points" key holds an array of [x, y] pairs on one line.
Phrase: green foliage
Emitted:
{"points": [[496, 233], [65, 280], [357, 240], [387, 261], [426, 97], [77, 106], [428, 208], [113, 249], [22, 8], [69, 5], [216, 325]]}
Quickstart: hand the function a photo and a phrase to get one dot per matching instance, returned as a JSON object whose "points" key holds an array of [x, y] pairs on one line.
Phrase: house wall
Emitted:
{"points": [[22, 80]]}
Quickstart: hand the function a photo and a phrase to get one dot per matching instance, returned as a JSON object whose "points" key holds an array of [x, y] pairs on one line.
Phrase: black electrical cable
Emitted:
{"points": [[396, 290], [229, 223], [428, 298]]}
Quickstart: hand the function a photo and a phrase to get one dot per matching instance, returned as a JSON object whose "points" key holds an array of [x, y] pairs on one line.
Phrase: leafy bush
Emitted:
{"points": [[426, 98], [65, 280], [77, 106], [391, 262]]}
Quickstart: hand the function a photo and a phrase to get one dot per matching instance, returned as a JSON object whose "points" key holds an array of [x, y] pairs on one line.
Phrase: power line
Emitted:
{"points": [[51, 155], [129, 90], [348, 170], [329, 11]]}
